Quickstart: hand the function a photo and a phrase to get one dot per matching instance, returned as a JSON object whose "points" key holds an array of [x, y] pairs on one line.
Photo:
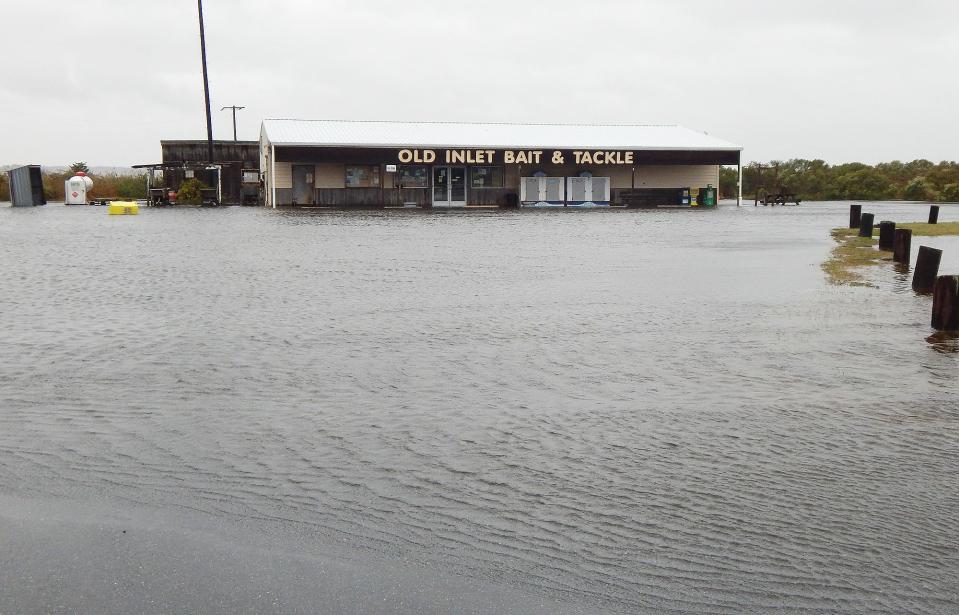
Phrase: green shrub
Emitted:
{"points": [[189, 192], [132, 186], [919, 190], [950, 193]]}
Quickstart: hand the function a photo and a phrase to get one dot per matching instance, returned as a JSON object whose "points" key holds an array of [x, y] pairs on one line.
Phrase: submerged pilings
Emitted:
{"points": [[887, 230], [855, 213], [945, 303], [927, 268], [902, 245], [925, 278]]}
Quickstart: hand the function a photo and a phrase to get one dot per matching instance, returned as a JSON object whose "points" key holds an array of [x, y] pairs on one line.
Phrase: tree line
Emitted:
{"points": [[810, 180], [815, 180]]}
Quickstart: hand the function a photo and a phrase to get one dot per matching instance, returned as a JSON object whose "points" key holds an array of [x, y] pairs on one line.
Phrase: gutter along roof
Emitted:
{"points": [[371, 134]]}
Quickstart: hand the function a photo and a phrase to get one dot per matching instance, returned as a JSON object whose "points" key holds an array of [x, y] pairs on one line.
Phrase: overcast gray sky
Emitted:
{"points": [[844, 80]]}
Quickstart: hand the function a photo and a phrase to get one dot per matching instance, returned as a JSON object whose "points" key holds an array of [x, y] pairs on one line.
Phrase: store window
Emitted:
{"points": [[411, 176], [486, 177], [362, 176]]}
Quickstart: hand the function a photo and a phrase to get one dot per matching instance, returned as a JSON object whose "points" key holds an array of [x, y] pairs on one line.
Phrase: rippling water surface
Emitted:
{"points": [[631, 411]]}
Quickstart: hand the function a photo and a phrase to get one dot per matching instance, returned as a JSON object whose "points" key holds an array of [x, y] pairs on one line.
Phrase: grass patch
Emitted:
{"points": [[853, 252], [921, 229], [850, 254]]}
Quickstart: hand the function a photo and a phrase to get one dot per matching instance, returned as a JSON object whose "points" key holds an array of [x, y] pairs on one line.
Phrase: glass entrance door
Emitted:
{"points": [[449, 186]]}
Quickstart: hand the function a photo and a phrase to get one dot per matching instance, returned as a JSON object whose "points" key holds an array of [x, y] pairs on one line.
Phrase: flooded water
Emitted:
{"points": [[622, 411]]}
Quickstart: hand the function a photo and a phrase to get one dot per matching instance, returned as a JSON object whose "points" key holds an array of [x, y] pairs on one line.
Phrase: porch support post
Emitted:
{"points": [[273, 175], [739, 183]]}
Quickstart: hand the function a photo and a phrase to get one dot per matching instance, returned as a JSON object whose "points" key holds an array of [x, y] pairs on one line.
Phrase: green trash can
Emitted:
{"points": [[707, 196]]}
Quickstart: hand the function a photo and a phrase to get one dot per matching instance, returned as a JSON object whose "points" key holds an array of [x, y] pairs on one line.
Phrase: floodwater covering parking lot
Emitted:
{"points": [[406, 411]]}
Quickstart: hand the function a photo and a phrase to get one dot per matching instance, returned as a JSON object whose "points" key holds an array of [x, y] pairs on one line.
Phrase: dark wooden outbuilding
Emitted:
{"points": [[239, 161]]}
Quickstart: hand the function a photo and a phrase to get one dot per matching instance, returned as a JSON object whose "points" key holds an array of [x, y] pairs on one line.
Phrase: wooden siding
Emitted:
{"points": [[284, 175], [372, 197], [682, 176], [490, 196], [245, 152], [234, 156]]}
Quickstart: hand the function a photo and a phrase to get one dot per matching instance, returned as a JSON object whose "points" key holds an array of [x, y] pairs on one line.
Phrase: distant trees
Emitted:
{"points": [[949, 193], [919, 189], [919, 180], [107, 185]]}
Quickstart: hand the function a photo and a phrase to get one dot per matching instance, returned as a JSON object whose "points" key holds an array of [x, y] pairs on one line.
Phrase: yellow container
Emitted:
{"points": [[123, 208]]}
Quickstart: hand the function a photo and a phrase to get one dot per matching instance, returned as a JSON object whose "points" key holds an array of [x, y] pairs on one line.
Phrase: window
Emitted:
{"points": [[250, 177], [362, 176], [410, 176], [486, 177]]}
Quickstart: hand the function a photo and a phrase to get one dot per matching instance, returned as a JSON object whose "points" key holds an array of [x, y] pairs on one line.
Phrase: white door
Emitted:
{"points": [[449, 186]]}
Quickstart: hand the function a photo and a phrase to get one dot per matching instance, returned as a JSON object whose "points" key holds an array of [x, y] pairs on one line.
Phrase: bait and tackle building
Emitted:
{"points": [[326, 163]]}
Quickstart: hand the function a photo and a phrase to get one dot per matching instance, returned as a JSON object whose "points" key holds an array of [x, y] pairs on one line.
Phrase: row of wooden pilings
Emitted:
{"points": [[925, 277]]}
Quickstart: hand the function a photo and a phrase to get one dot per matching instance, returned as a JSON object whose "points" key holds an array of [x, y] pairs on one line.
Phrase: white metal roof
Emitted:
{"points": [[347, 133]]}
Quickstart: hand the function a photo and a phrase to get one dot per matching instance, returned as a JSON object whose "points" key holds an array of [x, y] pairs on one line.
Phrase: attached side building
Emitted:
{"points": [[440, 164]]}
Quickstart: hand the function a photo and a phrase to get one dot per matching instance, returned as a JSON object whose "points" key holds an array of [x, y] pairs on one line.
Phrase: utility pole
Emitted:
{"points": [[206, 84], [235, 109]]}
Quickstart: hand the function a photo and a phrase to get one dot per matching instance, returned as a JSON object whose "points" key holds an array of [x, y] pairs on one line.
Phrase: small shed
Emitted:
{"points": [[26, 186], [234, 172]]}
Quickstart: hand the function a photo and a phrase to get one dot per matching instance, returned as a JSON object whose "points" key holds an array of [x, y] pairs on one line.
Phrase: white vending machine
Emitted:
{"points": [[542, 191], [587, 191]]}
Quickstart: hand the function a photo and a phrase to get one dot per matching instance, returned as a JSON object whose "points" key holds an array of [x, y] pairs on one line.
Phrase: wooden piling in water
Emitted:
{"points": [[945, 303], [865, 225], [934, 214], [855, 211], [902, 245], [887, 230], [927, 268]]}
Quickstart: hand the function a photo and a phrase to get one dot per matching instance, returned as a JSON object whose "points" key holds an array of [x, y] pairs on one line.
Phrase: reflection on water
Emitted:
{"points": [[902, 280], [946, 342], [642, 411]]}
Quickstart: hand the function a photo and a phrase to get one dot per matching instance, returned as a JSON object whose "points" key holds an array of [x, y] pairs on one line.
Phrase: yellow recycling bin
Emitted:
{"points": [[123, 208]]}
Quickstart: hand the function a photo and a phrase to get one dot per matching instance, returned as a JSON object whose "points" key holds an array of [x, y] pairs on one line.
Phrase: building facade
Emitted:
{"points": [[325, 163]]}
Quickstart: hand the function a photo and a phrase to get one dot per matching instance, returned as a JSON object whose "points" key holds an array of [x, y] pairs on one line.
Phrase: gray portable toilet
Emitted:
{"points": [[26, 186]]}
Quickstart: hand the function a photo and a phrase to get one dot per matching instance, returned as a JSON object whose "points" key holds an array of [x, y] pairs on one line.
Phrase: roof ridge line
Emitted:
{"points": [[472, 123]]}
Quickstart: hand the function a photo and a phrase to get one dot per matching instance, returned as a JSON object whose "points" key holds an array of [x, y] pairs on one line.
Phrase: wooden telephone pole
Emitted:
{"points": [[235, 109]]}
